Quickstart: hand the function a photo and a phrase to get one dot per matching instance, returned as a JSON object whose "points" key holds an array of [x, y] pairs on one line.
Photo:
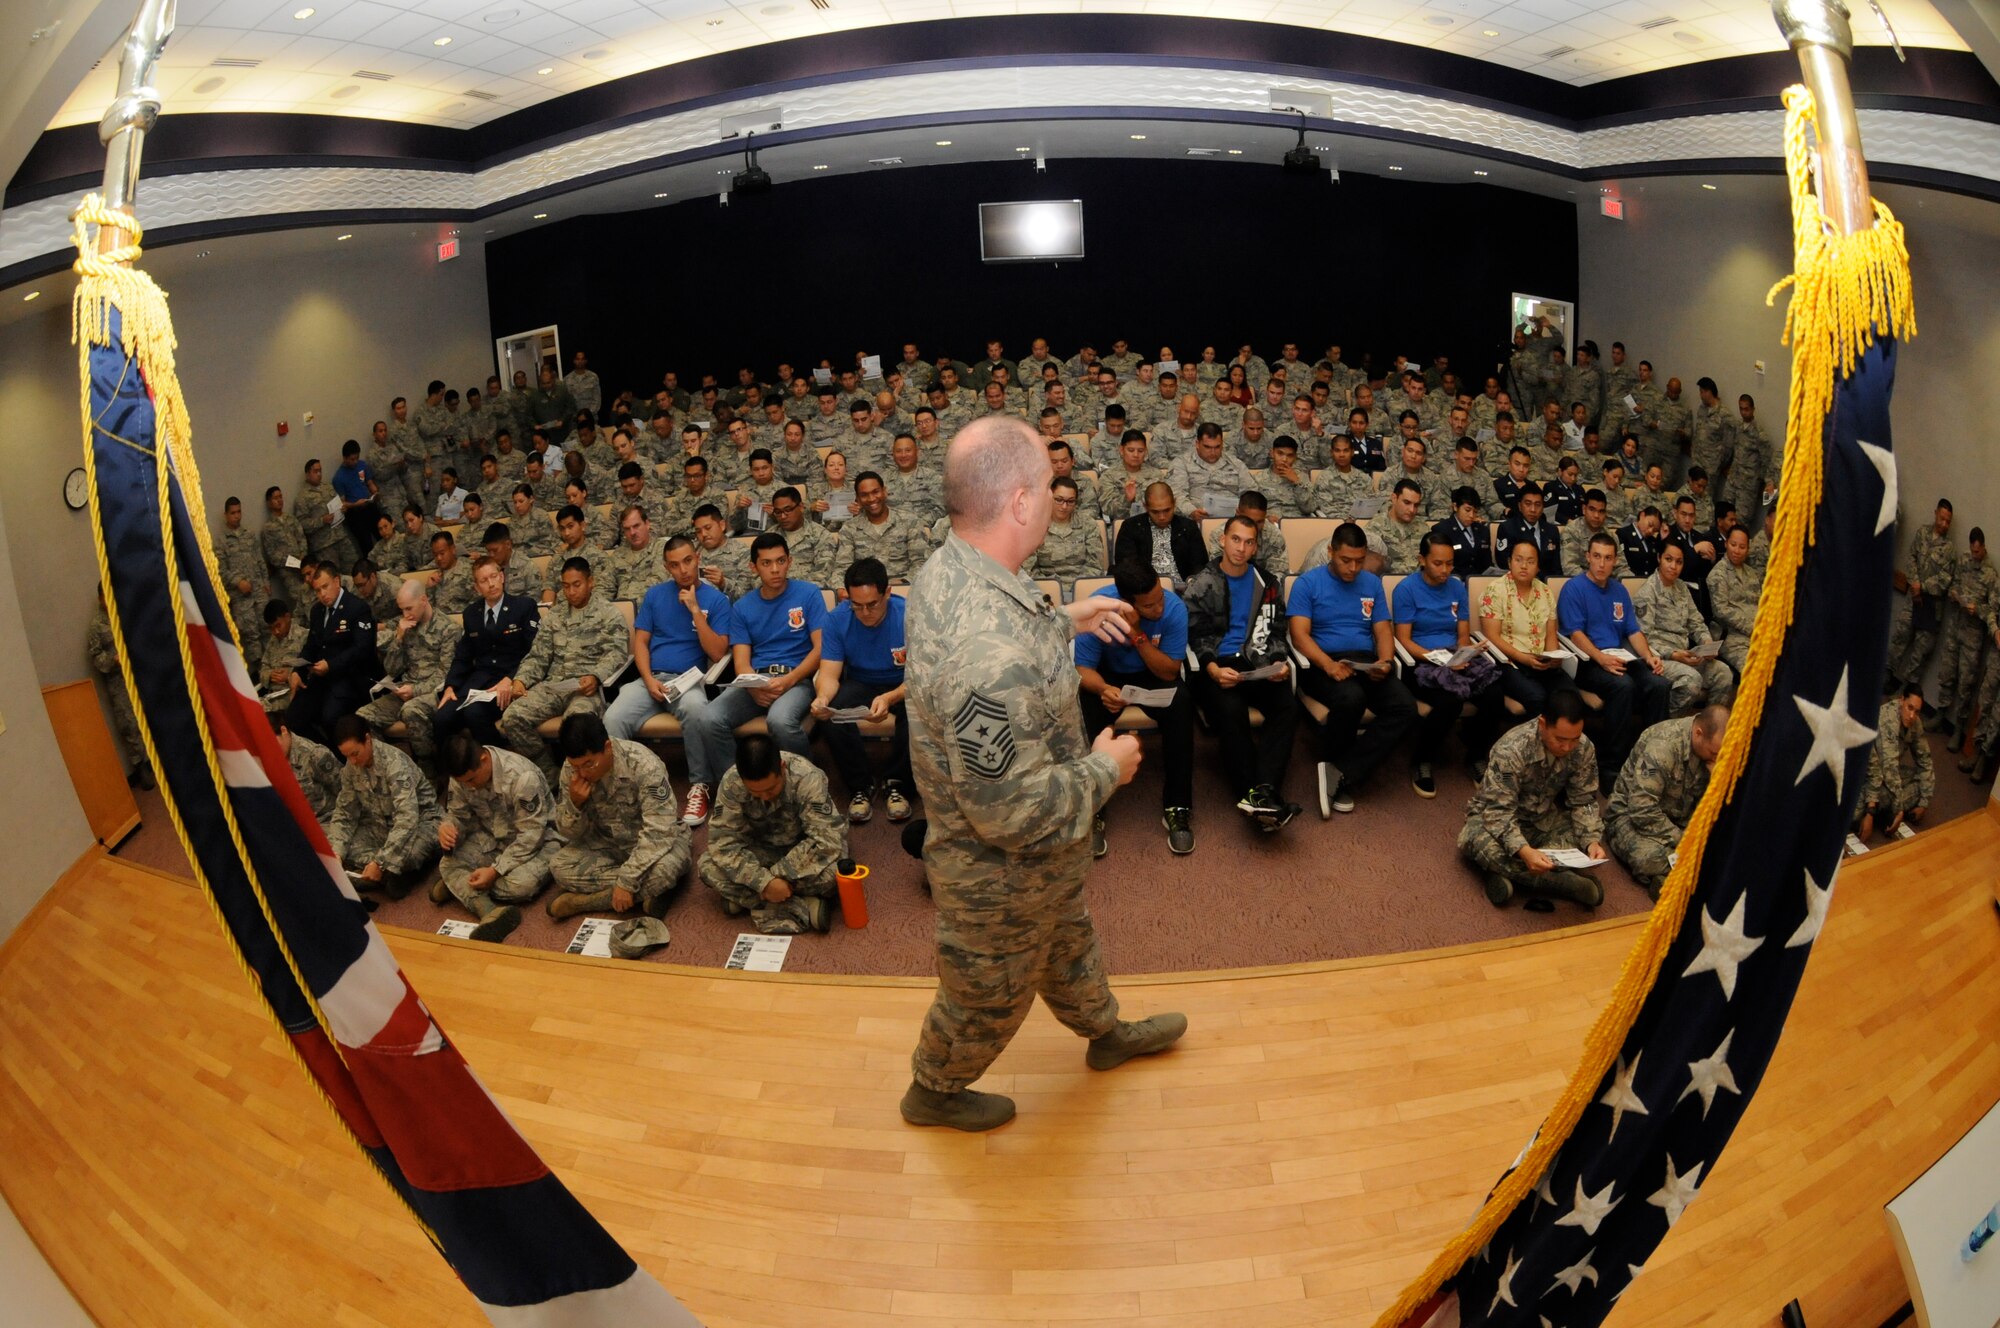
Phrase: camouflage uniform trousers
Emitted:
{"points": [[1712, 682], [595, 868], [1646, 858], [1554, 828], [526, 712], [1965, 639], [1913, 639], [124, 722], [999, 944], [749, 894], [419, 718], [1989, 702], [478, 848]]}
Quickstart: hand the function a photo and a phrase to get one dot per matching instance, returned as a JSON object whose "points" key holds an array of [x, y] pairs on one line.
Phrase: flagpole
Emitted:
{"points": [[1818, 31], [132, 113]]}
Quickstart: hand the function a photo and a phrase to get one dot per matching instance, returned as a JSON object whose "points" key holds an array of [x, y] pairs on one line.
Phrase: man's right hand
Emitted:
{"points": [[1112, 698], [1534, 859], [1612, 665], [1340, 670], [777, 891], [579, 790], [405, 692], [447, 836], [1224, 677], [687, 599], [1122, 748], [656, 689]]}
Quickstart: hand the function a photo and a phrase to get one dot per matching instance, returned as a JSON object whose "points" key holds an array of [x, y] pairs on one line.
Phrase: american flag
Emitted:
{"points": [[525, 1248], [1704, 1034]]}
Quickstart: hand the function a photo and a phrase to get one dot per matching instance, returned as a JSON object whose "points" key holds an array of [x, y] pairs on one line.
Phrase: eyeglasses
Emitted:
{"points": [[1065, 502], [784, 509]]}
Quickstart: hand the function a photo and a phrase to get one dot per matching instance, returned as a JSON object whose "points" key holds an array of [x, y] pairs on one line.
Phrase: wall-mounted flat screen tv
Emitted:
{"points": [[1049, 232]]}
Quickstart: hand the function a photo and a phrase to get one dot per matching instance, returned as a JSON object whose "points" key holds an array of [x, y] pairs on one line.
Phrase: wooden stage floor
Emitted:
{"points": [[1318, 1135]]}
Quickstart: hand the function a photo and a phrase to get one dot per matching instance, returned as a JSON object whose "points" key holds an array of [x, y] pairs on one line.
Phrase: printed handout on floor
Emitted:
{"points": [[458, 927], [593, 938], [759, 954]]}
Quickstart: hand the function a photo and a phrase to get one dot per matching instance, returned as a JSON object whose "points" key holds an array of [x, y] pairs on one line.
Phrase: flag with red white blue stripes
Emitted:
{"points": [[523, 1245]]}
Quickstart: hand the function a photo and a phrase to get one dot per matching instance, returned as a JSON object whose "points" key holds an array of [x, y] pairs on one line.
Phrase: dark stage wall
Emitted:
{"points": [[1180, 253]]}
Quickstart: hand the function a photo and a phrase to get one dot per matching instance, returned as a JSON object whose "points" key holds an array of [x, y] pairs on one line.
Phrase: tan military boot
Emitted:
{"points": [[496, 921], [963, 1110], [1573, 886], [1129, 1039]]}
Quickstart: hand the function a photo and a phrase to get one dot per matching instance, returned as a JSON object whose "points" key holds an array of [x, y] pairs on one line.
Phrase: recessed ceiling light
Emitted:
{"points": [[1024, 149], [303, 14], [1236, 152], [1395, 168], [1137, 138], [1440, 20], [442, 41], [1686, 38], [448, 109], [713, 23], [944, 142], [342, 94], [501, 15], [201, 253], [1708, 187], [546, 69], [208, 85], [31, 295], [348, 236], [1479, 172], [772, 11], [1489, 32], [659, 195], [540, 216], [820, 167], [597, 54]]}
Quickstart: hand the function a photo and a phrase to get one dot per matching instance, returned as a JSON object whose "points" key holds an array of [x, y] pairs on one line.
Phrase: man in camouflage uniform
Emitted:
{"points": [[581, 645], [1621, 380], [915, 489], [1930, 569], [1713, 435], [378, 593], [326, 532], [388, 466], [1974, 591], [1657, 790], [384, 827], [1582, 382], [818, 555], [615, 807], [881, 532], [997, 746], [775, 840], [498, 834], [1900, 783], [725, 562], [1341, 486], [1674, 627], [269, 656], [534, 534], [1987, 741], [453, 592], [1401, 528], [551, 408], [582, 383], [1205, 479], [1074, 546], [395, 548], [104, 661], [242, 560], [415, 660], [1733, 589], [635, 563], [283, 543], [316, 768], [1754, 467], [1539, 791], [1289, 489]]}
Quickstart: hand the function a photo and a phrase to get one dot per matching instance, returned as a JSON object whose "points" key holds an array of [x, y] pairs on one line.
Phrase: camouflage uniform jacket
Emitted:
{"points": [[1672, 620], [918, 493], [798, 837], [818, 555], [1289, 498], [1170, 441], [900, 542], [438, 430], [635, 571], [318, 773], [397, 553], [322, 531], [1215, 483], [1069, 551], [391, 799], [534, 534], [996, 730], [1661, 782], [1525, 783], [282, 537], [575, 643], [242, 559], [102, 649], [603, 576], [1401, 540], [515, 808], [1899, 765], [631, 811], [1576, 545], [1978, 584], [1932, 562], [1732, 596], [421, 657], [1338, 491], [454, 592], [1714, 441]]}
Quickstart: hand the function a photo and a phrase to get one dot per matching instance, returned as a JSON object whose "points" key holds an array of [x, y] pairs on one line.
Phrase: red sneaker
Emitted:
{"points": [[695, 810]]}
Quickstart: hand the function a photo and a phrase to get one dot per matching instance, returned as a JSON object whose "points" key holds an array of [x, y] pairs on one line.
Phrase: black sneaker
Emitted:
{"points": [[1099, 846], [1180, 835], [1423, 781], [1257, 802], [1281, 815]]}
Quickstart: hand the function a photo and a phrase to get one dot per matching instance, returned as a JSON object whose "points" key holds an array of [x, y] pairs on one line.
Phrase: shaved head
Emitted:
{"points": [[990, 461], [410, 591]]}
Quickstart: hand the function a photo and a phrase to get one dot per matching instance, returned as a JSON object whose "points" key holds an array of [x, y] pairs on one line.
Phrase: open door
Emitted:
{"points": [[529, 352]]}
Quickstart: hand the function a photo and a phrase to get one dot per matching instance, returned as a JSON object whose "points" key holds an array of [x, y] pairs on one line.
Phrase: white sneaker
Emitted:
{"points": [[860, 808]]}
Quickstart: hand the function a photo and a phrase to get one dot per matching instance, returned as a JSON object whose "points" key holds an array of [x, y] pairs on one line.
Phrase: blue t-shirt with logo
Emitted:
{"points": [[779, 631], [1242, 602], [1343, 614], [1603, 613], [1168, 632], [673, 645], [1433, 612], [868, 654]]}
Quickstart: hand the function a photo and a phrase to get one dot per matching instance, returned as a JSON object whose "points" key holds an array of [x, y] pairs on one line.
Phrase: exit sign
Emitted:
{"points": [[447, 250], [1613, 208]]}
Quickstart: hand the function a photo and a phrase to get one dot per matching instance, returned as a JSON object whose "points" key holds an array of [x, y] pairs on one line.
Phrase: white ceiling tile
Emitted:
{"points": [[1553, 10], [242, 13], [633, 26], [351, 21], [588, 12], [476, 51], [403, 30]]}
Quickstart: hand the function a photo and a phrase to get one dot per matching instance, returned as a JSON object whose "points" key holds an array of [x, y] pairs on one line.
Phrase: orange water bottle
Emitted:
{"points": [[853, 892]]}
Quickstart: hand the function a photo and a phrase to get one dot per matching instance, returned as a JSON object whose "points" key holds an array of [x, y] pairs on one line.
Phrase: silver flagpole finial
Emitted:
{"points": [[136, 108], [1818, 31]]}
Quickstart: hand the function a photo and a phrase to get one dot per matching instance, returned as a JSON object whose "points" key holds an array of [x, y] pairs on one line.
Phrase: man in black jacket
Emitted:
{"points": [[1528, 523], [1166, 541], [341, 663], [1237, 626], [498, 630]]}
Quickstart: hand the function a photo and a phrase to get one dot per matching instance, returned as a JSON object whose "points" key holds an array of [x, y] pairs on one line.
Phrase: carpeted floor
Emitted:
{"points": [[1384, 880]]}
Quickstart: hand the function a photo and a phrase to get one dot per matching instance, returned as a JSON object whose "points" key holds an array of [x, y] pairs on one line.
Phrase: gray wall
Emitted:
{"points": [[269, 327], [1682, 280]]}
